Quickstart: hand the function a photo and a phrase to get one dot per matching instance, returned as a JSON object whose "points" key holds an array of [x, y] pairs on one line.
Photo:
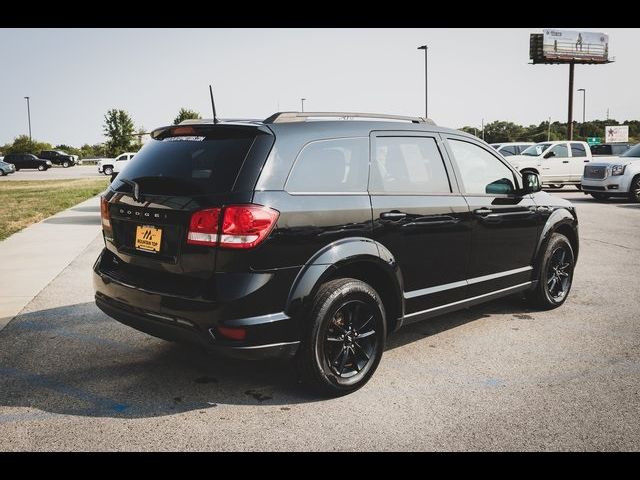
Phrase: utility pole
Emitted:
{"points": [[29, 116], [570, 119], [607, 113], [483, 129], [426, 89], [584, 102], [302, 103], [549, 130]]}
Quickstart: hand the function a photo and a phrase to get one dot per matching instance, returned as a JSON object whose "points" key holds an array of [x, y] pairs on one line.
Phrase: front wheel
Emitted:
{"points": [[634, 189], [108, 171], [555, 274], [42, 168], [345, 339], [65, 164], [2, 174], [600, 196]]}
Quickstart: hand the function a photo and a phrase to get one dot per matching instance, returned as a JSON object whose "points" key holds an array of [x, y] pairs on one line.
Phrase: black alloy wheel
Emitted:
{"points": [[345, 339], [634, 189], [559, 271], [350, 339]]}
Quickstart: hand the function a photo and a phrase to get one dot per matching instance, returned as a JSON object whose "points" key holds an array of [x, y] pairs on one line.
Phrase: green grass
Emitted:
{"points": [[25, 202]]}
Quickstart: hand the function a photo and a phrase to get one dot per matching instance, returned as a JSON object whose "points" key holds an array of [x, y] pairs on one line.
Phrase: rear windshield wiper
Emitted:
{"points": [[137, 196]]}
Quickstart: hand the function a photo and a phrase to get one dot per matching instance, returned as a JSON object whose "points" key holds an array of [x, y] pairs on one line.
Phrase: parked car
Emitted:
{"points": [[511, 148], [614, 176], [27, 160], [110, 165], [57, 157], [6, 168], [608, 149], [314, 239], [558, 163]]}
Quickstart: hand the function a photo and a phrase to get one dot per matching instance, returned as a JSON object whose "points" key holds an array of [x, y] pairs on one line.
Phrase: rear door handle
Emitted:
{"points": [[482, 211], [586, 161], [565, 161], [392, 215]]}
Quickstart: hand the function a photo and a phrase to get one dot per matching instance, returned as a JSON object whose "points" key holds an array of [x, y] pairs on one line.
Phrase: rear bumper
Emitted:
{"points": [[195, 320]]}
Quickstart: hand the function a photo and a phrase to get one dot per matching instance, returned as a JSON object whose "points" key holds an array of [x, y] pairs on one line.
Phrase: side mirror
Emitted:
{"points": [[549, 154], [531, 182]]}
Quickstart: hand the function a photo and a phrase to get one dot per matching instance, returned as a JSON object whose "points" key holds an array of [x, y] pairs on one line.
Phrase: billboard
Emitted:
{"points": [[569, 46], [616, 133]]}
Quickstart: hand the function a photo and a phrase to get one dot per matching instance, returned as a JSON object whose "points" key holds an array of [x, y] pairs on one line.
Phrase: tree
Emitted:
{"points": [[119, 130], [23, 144], [186, 114], [137, 142]]}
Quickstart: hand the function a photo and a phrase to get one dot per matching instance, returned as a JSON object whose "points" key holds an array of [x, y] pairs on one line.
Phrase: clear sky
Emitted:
{"points": [[74, 76]]}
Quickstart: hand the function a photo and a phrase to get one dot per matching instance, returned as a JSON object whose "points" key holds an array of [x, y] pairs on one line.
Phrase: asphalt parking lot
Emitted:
{"points": [[55, 173], [494, 377]]}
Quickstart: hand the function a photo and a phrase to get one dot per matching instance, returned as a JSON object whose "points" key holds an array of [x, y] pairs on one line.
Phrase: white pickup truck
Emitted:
{"points": [[114, 165], [558, 163], [614, 176]]}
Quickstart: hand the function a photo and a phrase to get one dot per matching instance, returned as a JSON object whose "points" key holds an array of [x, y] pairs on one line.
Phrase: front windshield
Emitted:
{"points": [[536, 150], [632, 152]]}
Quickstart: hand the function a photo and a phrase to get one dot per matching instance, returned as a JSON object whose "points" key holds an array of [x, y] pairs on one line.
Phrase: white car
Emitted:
{"points": [[511, 148], [614, 176], [114, 165], [558, 163]]}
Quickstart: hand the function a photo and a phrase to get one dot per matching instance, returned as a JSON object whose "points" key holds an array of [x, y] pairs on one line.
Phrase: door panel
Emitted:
{"points": [[558, 167], [504, 223], [419, 215]]}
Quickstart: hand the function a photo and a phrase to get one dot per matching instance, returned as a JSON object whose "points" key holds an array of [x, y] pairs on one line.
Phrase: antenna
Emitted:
{"points": [[213, 105]]}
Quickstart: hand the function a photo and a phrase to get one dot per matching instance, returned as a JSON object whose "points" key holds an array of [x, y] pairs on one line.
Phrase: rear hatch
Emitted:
{"points": [[181, 170]]}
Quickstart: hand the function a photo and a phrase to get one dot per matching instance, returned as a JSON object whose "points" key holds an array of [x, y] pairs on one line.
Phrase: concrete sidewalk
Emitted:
{"points": [[33, 257]]}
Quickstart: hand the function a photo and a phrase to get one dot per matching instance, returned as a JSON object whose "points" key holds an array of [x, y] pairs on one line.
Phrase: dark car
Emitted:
{"points": [[27, 160], [58, 157], [314, 239], [6, 168], [608, 149]]}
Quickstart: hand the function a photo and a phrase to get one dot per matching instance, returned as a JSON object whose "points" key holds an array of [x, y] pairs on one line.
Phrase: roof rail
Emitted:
{"points": [[198, 121], [284, 117]]}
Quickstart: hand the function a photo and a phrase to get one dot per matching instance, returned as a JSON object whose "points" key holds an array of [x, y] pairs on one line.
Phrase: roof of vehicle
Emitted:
{"points": [[330, 124]]}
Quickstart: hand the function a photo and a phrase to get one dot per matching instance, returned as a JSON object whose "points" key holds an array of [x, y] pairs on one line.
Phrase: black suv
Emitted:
{"points": [[27, 160], [315, 239], [58, 157]]}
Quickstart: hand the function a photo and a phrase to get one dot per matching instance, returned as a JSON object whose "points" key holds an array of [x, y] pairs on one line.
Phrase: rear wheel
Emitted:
{"points": [[555, 274], [2, 174], [42, 168], [600, 196], [65, 164], [344, 343], [634, 189]]}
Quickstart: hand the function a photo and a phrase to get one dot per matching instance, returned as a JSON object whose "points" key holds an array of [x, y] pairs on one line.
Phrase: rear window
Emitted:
{"points": [[203, 161]]}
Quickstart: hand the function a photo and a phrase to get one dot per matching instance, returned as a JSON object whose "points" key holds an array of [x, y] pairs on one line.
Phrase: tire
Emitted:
{"points": [[108, 171], [17, 169], [65, 164], [600, 196], [2, 174], [554, 281], [634, 189], [41, 168], [333, 359]]}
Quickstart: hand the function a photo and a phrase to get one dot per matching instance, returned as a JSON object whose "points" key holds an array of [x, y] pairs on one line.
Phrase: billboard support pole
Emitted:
{"points": [[570, 119]]}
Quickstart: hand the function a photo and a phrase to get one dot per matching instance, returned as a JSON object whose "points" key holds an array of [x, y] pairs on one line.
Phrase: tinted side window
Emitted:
{"points": [[619, 149], [408, 165], [577, 150], [522, 148], [560, 151], [481, 172], [508, 151], [331, 166]]}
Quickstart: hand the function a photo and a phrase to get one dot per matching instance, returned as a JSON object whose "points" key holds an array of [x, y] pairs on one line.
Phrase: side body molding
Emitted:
{"points": [[334, 256]]}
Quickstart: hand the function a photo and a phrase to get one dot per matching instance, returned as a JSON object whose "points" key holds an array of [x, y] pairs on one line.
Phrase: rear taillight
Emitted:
{"points": [[104, 214], [203, 228], [241, 226]]}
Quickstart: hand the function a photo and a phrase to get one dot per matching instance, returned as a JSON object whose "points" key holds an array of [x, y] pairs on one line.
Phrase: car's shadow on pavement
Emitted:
{"points": [[75, 360]]}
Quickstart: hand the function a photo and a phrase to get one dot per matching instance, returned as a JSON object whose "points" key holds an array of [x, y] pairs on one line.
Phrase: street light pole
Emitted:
{"points": [[584, 101], [302, 102], [483, 129], [426, 85], [549, 130], [29, 116]]}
